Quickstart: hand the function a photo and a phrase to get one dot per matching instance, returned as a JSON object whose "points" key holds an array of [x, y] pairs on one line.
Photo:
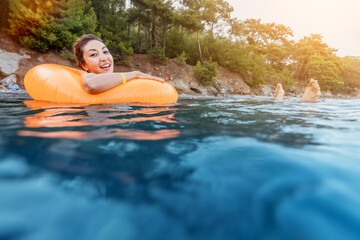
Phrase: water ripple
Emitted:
{"points": [[215, 168]]}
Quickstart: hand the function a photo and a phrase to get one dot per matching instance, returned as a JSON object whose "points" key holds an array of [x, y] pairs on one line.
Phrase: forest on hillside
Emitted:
{"points": [[201, 33]]}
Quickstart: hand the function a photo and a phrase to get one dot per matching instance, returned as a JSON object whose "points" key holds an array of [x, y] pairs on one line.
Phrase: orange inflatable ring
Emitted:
{"points": [[56, 83]]}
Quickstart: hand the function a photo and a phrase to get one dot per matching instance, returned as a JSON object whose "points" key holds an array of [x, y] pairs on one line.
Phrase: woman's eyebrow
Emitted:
{"points": [[92, 49]]}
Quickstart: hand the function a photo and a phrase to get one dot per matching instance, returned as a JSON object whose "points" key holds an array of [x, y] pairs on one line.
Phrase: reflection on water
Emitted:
{"points": [[244, 168], [53, 115]]}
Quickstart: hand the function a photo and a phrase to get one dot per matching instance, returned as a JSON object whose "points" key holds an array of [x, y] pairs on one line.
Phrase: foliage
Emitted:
{"points": [[182, 57], [327, 72], [206, 71], [351, 72], [75, 19], [158, 55], [56, 24], [112, 26], [270, 39], [67, 54], [198, 14], [304, 49], [242, 60], [256, 68], [28, 19], [177, 40], [285, 77], [4, 6]]}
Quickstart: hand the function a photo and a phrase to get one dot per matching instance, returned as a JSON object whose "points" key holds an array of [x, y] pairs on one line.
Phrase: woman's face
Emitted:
{"points": [[97, 58]]}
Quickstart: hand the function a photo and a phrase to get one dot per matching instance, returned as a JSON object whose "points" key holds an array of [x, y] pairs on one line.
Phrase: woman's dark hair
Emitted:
{"points": [[79, 46]]}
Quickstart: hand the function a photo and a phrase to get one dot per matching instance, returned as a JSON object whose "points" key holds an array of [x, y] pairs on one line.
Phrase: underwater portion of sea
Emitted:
{"points": [[204, 168]]}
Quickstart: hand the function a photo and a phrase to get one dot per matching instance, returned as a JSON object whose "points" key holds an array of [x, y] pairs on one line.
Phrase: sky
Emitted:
{"points": [[338, 21]]}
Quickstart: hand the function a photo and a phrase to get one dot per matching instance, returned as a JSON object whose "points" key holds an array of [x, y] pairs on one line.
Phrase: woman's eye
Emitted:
{"points": [[106, 51], [93, 55]]}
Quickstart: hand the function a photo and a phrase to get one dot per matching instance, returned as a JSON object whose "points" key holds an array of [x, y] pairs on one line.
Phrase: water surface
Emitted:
{"points": [[235, 168]]}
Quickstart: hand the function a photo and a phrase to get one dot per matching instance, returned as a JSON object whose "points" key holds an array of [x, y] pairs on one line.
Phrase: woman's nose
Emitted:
{"points": [[103, 57]]}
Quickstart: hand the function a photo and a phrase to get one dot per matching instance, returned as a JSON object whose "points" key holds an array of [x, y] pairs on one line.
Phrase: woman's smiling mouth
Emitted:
{"points": [[105, 65]]}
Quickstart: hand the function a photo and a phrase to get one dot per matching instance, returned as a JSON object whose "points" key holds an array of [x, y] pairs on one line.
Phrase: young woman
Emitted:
{"points": [[93, 56]]}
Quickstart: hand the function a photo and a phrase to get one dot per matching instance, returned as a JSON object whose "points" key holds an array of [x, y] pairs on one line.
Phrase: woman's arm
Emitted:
{"points": [[97, 83]]}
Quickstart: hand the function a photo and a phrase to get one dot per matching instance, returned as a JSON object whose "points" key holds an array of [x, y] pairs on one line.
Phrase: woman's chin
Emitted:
{"points": [[105, 70]]}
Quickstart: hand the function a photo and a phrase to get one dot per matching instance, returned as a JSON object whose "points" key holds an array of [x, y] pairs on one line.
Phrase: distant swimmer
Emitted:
{"points": [[311, 94]]}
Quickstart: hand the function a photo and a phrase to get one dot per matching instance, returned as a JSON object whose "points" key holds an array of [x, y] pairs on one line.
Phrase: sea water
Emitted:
{"points": [[220, 168]]}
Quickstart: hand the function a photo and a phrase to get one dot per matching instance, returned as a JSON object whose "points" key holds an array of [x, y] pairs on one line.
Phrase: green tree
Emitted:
{"points": [[200, 13], [137, 16], [4, 6], [272, 40], [239, 58], [206, 71], [42, 25], [113, 27], [216, 12], [75, 18], [255, 67], [29, 22], [177, 40], [152, 7], [327, 72], [169, 18], [192, 17], [351, 72], [271, 48], [304, 49]]}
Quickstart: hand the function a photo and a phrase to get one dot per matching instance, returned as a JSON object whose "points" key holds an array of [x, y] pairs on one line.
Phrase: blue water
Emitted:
{"points": [[235, 168]]}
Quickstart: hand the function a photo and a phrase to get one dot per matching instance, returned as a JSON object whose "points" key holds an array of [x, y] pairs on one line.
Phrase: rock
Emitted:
{"points": [[326, 94], [25, 52], [295, 90], [230, 82], [211, 90], [340, 95], [194, 85], [197, 88], [9, 61], [181, 86], [357, 93], [18, 95], [267, 90], [239, 87]]}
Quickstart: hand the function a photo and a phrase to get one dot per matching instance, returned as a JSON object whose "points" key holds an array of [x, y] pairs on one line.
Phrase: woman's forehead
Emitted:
{"points": [[94, 45]]}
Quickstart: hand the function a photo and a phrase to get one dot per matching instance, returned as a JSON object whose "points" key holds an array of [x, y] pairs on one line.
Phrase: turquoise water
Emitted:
{"points": [[236, 168]]}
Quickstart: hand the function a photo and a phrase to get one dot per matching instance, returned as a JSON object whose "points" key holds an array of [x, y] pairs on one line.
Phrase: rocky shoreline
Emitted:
{"points": [[22, 95], [18, 95]]}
